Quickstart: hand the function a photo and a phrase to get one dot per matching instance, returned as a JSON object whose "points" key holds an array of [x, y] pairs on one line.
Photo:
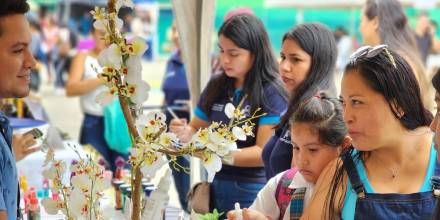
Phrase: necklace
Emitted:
{"points": [[394, 172]]}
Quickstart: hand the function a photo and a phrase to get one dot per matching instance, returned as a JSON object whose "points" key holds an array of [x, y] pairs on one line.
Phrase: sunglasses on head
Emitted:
{"points": [[369, 52]]}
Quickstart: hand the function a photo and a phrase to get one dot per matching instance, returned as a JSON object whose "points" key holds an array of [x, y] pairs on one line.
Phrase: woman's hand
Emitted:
{"points": [[248, 214]]}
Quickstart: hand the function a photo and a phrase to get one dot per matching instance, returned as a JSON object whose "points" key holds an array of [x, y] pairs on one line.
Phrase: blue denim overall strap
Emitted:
{"points": [[297, 203], [435, 181], [352, 173], [388, 206]]}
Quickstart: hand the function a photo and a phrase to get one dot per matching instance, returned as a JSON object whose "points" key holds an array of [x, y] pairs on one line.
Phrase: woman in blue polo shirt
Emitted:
{"points": [[250, 70], [175, 89], [308, 58]]}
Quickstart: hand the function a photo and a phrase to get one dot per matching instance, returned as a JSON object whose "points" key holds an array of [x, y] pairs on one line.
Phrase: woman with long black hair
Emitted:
{"points": [[308, 59], [249, 77], [385, 22]]}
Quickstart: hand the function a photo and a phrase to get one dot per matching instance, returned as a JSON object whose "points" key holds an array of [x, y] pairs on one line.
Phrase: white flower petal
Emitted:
{"points": [[77, 204], [81, 181], [150, 169], [50, 206], [167, 139], [133, 151], [222, 150], [201, 137], [110, 57], [141, 94], [134, 65], [100, 25], [139, 46], [212, 164], [101, 184], [229, 110], [239, 133], [119, 23], [216, 138], [121, 3], [231, 146], [49, 156]]}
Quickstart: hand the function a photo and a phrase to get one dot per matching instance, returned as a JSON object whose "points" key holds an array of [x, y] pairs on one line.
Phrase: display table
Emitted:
{"points": [[32, 165]]}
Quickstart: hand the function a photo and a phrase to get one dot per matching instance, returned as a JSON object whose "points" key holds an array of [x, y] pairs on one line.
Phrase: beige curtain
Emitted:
{"points": [[195, 21]]}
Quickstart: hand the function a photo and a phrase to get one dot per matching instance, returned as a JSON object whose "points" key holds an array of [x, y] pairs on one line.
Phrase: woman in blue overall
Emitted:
{"points": [[250, 76], [386, 172], [435, 127], [307, 65]]}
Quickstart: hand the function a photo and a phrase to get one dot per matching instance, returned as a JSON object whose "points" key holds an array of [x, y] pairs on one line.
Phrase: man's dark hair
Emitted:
{"points": [[11, 7]]}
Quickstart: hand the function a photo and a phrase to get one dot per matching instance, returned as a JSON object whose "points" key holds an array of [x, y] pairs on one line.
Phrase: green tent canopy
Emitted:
{"points": [[45, 2]]}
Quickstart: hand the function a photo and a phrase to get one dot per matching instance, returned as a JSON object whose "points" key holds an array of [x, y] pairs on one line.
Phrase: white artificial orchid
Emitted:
{"points": [[49, 156], [122, 74], [79, 205], [102, 184], [239, 133], [150, 124], [212, 164], [140, 93], [134, 70], [110, 57], [247, 129], [229, 110], [100, 18], [216, 137], [201, 138], [52, 206], [138, 46], [231, 146], [56, 170], [82, 182], [79, 199], [103, 24], [121, 3], [153, 164], [167, 139], [100, 24], [135, 155], [219, 149]]}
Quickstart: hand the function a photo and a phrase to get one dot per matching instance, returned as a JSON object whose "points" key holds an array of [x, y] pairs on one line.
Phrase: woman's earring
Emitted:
{"points": [[400, 114]]}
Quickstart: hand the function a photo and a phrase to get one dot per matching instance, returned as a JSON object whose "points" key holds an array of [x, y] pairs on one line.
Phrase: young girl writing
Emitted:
{"points": [[318, 132]]}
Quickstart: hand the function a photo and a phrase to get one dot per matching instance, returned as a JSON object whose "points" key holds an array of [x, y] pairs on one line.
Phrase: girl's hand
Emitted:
{"points": [[248, 214], [177, 124], [183, 131]]}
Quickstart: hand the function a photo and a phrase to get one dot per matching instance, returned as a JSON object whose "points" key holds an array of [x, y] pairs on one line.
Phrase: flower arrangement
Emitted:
{"points": [[80, 199], [121, 71]]}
